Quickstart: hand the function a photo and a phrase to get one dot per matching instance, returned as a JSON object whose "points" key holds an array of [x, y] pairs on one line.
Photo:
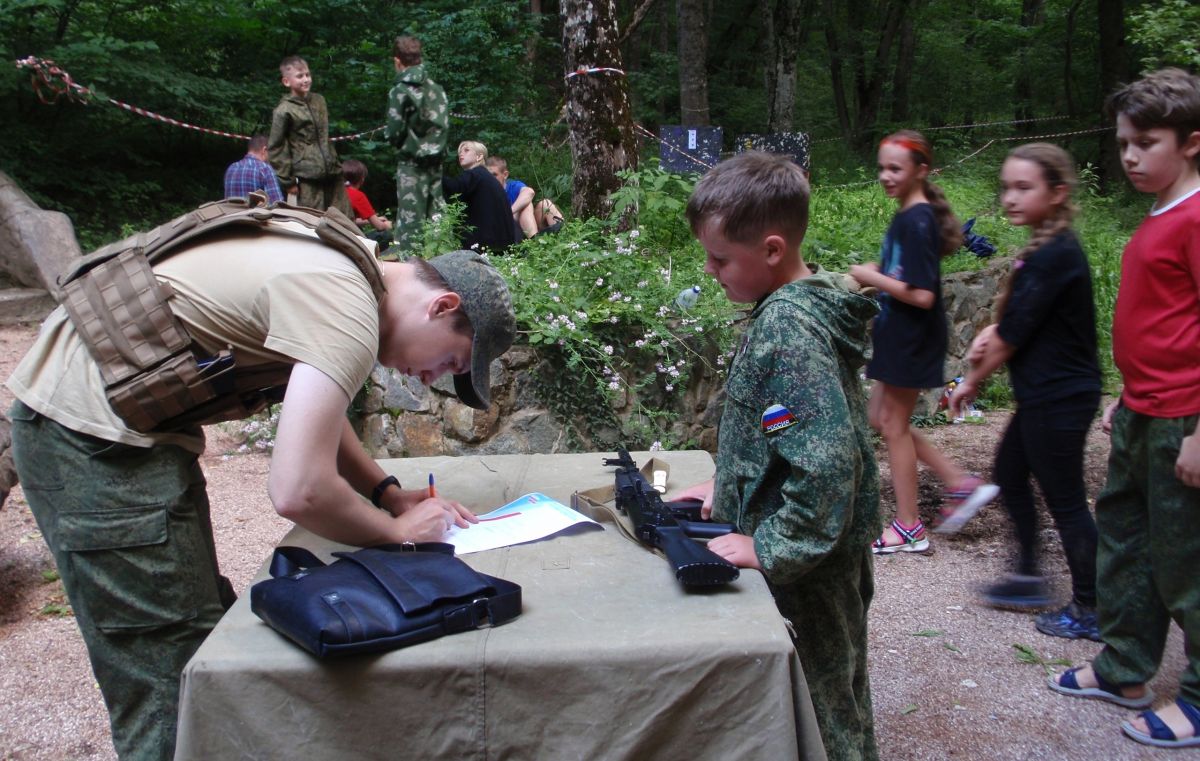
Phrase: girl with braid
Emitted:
{"points": [[1046, 331], [909, 337]]}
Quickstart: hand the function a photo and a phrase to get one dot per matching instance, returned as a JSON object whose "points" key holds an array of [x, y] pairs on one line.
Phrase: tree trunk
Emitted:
{"points": [[871, 86], [598, 113], [663, 42], [535, 10], [1031, 18], [905, 61], [1114, 69], [1068, 51], [693, 62], [833, 44], [785, 30], [639, 14], [64, 20]]}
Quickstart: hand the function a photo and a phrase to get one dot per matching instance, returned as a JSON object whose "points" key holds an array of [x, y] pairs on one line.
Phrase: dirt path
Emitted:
{"points": [[946, 678]]}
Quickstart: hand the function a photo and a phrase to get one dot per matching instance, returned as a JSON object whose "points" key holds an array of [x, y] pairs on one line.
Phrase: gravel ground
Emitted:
{"points": [[946, 679]]}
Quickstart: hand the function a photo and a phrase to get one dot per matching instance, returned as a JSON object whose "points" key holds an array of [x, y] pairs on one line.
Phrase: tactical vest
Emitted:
{"points": [[156, 378]]}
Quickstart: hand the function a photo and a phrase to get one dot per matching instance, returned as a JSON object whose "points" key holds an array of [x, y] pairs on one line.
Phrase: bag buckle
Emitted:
{"points": [[481, 613]]}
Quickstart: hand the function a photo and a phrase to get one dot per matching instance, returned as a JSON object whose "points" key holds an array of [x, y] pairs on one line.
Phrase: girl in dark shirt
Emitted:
{"points": [[1046, 332], [909, 337]]}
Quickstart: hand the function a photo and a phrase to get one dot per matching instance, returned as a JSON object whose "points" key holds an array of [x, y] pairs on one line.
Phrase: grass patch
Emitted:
{"points": [[1026, 654]]}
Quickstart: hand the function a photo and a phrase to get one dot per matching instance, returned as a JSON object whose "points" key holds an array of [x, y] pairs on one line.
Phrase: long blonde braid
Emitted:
{"points": [[1058, 169]]}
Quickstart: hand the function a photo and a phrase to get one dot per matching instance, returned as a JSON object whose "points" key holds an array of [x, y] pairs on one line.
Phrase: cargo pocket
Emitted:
{"points": [[131, 576]]}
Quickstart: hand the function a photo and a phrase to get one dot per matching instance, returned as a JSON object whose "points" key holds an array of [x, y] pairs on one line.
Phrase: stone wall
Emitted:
{"points": [[401, 418]]}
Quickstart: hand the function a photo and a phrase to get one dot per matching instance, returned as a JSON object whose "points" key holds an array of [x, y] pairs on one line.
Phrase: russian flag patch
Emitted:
{"points": [[776, 418]]}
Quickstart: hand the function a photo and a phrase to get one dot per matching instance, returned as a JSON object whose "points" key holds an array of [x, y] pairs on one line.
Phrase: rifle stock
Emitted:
{"points": [[694, 564]]}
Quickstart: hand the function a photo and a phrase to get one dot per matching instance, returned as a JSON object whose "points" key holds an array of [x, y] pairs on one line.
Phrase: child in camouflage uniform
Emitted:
{"points": [[417, 124], [299, 148], [796, 471], [1148, 515]]}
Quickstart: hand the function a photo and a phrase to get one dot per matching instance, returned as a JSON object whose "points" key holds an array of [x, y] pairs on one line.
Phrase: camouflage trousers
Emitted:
{"points": [[828, 612], [322, 194], [1149, 524], [418, 198], [130, 533]]}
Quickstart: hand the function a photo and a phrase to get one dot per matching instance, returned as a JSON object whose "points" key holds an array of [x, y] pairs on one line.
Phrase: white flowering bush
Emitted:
{"points": [[598, 304], [256, 433]]}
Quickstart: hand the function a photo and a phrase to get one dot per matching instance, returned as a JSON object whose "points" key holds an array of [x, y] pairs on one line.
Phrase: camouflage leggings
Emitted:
{"points": [[129, 529], [418, 198], [828, 610], [1149, 525]]}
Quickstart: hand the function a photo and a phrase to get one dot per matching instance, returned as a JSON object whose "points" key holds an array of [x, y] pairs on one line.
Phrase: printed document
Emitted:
{"points": [[525, 519]]}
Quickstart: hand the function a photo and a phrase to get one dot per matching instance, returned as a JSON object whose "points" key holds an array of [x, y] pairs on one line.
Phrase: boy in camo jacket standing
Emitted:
{"points": [[796, 470], [299, 148], [417, 124]]}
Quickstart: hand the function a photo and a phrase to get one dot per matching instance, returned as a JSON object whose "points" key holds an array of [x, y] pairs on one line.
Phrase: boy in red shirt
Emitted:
{"points": [[1148, 515], [355, 173]]}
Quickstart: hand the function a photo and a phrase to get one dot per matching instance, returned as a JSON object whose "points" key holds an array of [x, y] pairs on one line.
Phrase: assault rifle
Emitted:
{"points": [[668, 526]]}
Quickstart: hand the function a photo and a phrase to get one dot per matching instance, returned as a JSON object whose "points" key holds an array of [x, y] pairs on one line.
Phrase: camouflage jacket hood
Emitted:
{"points": [[844, 314], [299, 143]]}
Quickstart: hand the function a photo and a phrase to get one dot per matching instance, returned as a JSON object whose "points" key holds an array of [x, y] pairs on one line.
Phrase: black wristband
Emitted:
{"points": [[381, 487]]}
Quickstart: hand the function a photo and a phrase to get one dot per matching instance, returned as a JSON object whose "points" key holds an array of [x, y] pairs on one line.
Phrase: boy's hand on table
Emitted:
{"points": [[702, 491], [737, 549]]}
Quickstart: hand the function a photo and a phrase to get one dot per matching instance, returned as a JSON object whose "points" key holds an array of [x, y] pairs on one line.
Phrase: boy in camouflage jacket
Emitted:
{"points": [[417, 124], [796, 471], [299, 148]]}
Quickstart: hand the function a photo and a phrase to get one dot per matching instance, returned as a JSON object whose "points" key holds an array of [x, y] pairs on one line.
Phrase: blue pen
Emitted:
{"points": [[432, 490]]}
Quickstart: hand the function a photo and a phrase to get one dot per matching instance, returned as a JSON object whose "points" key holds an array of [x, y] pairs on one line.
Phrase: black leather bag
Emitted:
{"points": [[379, 598]]}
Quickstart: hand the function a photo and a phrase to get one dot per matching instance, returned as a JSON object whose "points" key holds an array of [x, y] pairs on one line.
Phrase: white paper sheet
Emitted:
{"points": [[525, 519]]}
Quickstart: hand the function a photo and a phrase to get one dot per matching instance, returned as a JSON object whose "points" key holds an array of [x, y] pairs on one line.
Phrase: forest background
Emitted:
{"points": [[978, 77]]}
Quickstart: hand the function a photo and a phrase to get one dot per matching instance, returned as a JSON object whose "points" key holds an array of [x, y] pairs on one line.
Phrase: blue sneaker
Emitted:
{"points": [[1072, 622]]}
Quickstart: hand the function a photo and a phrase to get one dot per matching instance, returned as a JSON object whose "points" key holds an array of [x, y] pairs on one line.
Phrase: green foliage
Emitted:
{"points": [[1166, 32], [445, 232], [599, 306], [214, 63], [1026, 654], [56, 610], [996, 393]]}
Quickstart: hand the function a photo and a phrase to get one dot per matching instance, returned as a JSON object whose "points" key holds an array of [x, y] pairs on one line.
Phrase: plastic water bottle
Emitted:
{"points": [[688, 297]]}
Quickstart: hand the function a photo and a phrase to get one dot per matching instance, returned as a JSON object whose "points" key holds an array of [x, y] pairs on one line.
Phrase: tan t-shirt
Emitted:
{"points": [[278, 296]]}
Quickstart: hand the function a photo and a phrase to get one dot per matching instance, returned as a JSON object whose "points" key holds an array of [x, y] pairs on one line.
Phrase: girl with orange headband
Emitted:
{"points": [[910, 338]]}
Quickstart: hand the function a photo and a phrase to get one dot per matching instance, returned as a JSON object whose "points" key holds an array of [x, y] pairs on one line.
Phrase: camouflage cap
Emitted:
{"points": [[486, 302]]}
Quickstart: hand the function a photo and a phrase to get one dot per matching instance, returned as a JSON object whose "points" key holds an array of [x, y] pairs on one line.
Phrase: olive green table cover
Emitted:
{"points": [[610, 658]]}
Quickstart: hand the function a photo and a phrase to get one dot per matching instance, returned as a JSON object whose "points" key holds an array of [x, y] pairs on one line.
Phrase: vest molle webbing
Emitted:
{"points": [[155, 377]]}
